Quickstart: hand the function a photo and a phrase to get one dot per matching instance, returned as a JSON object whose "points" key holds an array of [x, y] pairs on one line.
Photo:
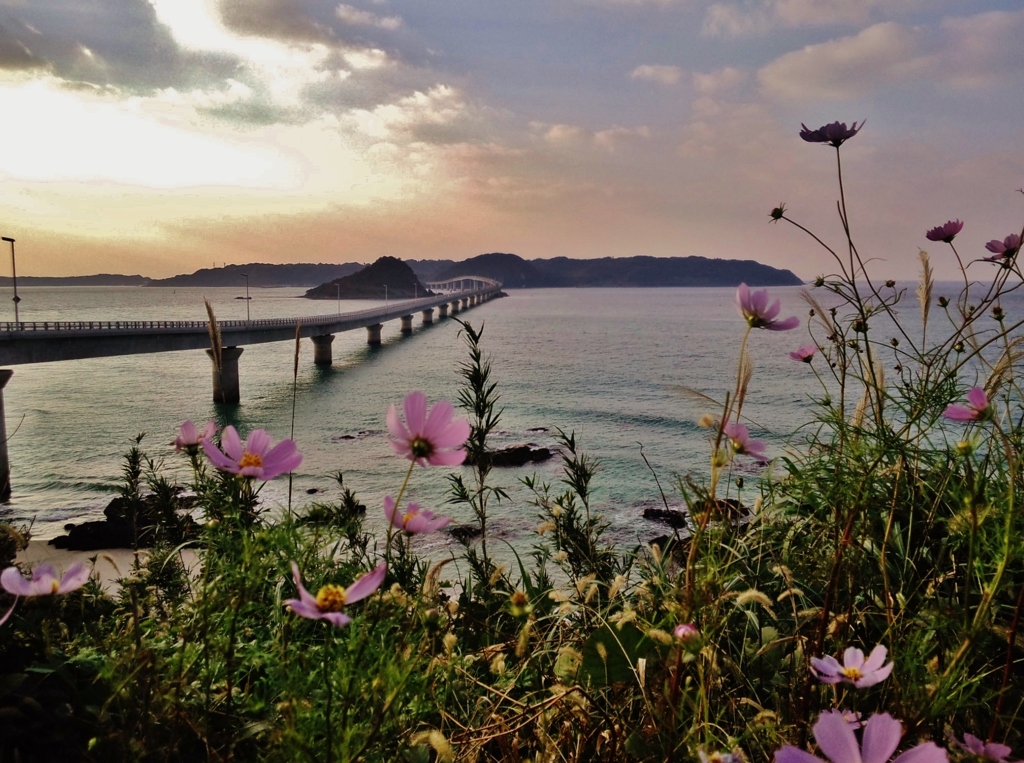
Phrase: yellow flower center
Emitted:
{"points": [[250, 459], [853, 674], [408, 516], [331, 598], [56, 586], [420, 447]]}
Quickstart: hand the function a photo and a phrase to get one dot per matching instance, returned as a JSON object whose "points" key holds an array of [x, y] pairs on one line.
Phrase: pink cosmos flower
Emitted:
{"points": [[1005, 249], [415, 521], [329, 602], [834, 134], [739, 438], [991, 751], [428, 438], [256, 458], [855, 669], [945, 233], [686, 632], [837, 739], [978, 407], [805, 354], [754, 308], [190, 437], [44, 582]]}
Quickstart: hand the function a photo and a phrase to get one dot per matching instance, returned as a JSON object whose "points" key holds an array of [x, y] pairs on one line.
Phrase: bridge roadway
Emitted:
{"points": [[51, 341]]}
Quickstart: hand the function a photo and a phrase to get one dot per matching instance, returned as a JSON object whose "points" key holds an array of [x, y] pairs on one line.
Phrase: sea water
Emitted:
{"points": [[626, 370]]}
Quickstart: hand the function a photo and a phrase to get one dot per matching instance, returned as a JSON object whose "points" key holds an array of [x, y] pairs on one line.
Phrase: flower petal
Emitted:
{"points": [[395, 425], [836, 739], [366, 585], [415, 412], [957, 412], [977, 398], [231, 443], [389, 512], [74, 577], [875, 659], [15, 583], [258, 442], [882, 735], [929, 752], [873, 677], [446, 457], [790, 754], [785, 325]]}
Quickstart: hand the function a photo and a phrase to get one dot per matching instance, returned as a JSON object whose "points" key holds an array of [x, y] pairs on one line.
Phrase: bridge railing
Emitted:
{"points": [[312, 320]]}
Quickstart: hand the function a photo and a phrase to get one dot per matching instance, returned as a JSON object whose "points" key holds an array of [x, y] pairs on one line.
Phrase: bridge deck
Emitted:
{"points": [[50, 341]]}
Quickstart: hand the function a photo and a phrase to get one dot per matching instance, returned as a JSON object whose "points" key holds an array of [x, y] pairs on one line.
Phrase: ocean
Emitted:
{"points": [[619, 367]]}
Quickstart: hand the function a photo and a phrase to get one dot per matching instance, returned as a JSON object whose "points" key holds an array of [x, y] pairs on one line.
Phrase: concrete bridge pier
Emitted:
{"points": [[428, 316], [322, 349], [406, 325], [5, 462], [442, 310], [455, 307], [225, 378], [373, 334]]}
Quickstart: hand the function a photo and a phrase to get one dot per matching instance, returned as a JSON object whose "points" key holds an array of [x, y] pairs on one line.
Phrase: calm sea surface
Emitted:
{"points": [[611, 364]]}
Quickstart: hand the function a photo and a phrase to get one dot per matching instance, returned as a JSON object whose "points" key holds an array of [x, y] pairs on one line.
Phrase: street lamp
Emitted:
{"points": [[14, 279], [338, 285], [247, 297], [385, 296]]}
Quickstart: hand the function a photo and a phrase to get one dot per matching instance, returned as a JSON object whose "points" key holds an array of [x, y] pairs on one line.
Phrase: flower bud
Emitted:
{"points": [[943, 302], [890, 283], [778, 212], [998, 314], [819, 282], [860, 326], [894, 342], [686, 632], [958, 347]]}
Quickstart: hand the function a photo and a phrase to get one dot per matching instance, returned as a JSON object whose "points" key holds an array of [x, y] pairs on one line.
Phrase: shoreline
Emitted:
{"points": [[108, 565]]}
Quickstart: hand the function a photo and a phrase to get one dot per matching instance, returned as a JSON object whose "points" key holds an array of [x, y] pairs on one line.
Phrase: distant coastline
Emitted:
{"points": [[512, 270]]}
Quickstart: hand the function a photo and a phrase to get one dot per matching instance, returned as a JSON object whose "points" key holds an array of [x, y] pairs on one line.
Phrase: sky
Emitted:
{"points": [[156, 137]]}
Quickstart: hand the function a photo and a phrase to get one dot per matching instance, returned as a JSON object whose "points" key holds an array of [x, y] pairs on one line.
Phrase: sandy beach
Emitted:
{"points": [[108, 565]]}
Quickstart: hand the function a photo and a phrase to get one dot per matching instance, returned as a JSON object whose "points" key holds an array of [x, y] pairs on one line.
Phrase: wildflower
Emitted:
{"points": [[978, 407], [855, 669], [686, 632], [754, 308], [881, 736], [991, 751], [1005, 249], [945, 233], [739, 438], [44, 582], [329, 602], [415, 521], [432, 438], [255, 459], [805, 354], [190, 437], [736, 756], [834, 134]]}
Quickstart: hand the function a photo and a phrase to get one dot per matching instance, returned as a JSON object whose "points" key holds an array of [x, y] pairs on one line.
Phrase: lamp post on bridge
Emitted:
{"points": [[14, 279], [385, 296], [338, 286], [247, 297]]}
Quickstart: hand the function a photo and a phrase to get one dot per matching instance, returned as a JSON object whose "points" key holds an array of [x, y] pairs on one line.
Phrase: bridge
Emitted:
{"points": [[24, 342]]}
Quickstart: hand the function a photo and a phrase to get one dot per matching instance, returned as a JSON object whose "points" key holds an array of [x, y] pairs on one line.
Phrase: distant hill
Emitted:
{"points": [[262, 274], [370, 282], [102, 279], [516, 273]]}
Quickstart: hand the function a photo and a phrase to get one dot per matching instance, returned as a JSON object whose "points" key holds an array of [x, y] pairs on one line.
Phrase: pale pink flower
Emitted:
{"points": [[990, 751], [945, 233], [330, 601], [254, 459], [1005, 249], [754, 308], [834, 134], [44, 582], [686, 632], [837, 740], [739, 438], [978, 407], [428, 438], [855, 669], [190, 437], [415, 521], [805, 354]]}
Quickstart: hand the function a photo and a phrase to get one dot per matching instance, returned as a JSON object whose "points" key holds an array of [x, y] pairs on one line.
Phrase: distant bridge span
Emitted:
{"points": [[51, 341]]}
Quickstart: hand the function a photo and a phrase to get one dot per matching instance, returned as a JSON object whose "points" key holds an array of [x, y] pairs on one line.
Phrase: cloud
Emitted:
{"points": [[849, 67], [721, 80], [356, 17], [275, 19], [747, 17], [663, 75], [615, 138], [982, 50]]}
